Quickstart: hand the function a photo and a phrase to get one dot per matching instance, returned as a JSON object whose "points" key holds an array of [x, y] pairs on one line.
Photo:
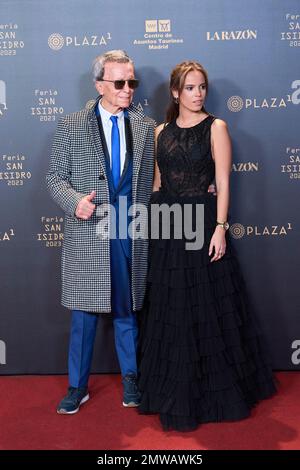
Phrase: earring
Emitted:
{"points": [[175, 100]]}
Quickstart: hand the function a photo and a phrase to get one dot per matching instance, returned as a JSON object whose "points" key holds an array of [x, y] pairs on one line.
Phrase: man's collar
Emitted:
{"points": [[132, 111], [105, 115]]}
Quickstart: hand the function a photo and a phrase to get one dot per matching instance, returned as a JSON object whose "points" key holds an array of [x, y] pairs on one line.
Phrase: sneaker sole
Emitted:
{"points": [[131, 404], [64, 412]]}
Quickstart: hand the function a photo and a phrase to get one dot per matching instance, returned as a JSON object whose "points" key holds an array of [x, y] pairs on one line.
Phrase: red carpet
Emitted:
{"points": [[29, 420]]}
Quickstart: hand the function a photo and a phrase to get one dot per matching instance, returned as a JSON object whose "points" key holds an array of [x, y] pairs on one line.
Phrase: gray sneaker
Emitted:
{"points": [[75, 397], [131, 394]]}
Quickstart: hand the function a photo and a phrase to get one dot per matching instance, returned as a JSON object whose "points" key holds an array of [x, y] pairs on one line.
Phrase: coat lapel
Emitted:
{"points": [[95, 137], [139, 131], [106, 154]]}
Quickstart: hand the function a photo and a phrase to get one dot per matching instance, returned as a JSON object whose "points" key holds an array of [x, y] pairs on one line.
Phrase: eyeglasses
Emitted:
{"points": [[119, 84]]}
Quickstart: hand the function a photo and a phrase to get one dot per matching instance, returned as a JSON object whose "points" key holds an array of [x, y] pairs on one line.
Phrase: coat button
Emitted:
{"points": [[101, 177]]}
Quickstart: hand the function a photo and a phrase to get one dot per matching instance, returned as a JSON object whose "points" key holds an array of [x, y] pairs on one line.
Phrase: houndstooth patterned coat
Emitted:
{"points": [[77, 167]]}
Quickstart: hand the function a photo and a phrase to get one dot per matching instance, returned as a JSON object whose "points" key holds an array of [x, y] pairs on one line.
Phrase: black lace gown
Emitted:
{"points": [[201, 354]]}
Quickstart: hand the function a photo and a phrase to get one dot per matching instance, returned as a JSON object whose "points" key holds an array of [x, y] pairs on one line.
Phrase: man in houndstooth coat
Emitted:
{"points": [[99, 154]]}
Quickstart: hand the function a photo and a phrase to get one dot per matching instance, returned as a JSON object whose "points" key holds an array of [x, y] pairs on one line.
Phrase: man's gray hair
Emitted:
{"points": [[117, 55]]}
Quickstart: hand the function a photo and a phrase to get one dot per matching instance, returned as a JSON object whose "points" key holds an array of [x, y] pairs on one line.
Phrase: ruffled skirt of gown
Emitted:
{"points": [[202, 357]]}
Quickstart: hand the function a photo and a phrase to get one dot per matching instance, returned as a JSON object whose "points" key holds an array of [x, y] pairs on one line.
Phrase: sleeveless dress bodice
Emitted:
{"points": [[185, 160]]}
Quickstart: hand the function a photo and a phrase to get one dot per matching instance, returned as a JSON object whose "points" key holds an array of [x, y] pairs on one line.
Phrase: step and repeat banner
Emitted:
{"points": [[252, 53]]}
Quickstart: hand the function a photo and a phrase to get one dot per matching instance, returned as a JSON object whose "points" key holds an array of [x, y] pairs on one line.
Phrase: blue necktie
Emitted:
{"points": [[115, 151]]}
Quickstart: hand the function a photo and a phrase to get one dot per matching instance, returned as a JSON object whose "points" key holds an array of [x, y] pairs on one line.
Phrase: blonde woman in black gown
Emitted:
{"points": [[201, 354]]}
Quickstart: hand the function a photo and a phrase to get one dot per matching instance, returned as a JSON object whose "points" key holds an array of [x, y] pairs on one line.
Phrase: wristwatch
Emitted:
{"points": [[225, 225]]}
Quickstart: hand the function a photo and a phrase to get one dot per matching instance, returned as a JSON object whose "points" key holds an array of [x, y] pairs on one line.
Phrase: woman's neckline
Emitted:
{"points": [[195, 125]]}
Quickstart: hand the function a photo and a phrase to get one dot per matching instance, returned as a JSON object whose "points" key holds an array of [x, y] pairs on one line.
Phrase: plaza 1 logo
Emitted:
{"points": [[292, 167], [158, 35], [7, 236], [52, 231], [46, 105], [10, 41], [295, 358], [56, 41], [292, 34], [2, 352], [237, 103], [142, 104], [3, 106], [239, 231], [13, 170]]}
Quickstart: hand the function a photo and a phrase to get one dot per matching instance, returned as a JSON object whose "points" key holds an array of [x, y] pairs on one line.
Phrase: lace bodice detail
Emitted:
{"points": [[184, 158]]}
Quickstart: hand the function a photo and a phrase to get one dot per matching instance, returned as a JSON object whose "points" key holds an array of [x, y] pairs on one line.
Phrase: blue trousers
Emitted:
{"points": [[84, 324]]}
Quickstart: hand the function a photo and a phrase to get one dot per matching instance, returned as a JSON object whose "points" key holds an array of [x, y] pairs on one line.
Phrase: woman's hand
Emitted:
{"points": [[217, 244]]}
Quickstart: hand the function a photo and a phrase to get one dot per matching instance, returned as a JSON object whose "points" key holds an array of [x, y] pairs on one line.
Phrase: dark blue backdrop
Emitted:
{"points": [[251, 51]]}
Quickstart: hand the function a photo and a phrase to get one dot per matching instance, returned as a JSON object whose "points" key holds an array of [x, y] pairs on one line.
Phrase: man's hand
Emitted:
{"points": [[85, 207]]}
